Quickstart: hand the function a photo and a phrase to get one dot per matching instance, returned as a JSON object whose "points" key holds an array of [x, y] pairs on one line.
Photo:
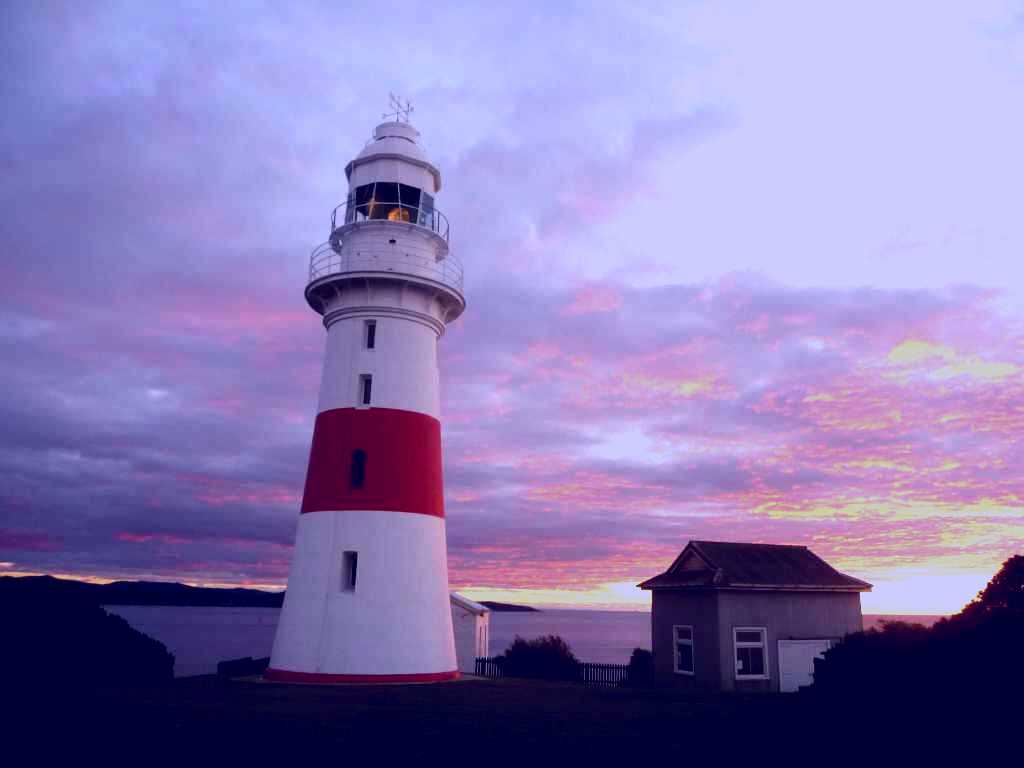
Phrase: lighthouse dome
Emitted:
{"points": [[395, 141]]}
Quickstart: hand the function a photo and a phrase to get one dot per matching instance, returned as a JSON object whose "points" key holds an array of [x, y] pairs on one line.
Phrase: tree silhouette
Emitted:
{"points": [[1005, 592], [548, 657], [970, 656]]}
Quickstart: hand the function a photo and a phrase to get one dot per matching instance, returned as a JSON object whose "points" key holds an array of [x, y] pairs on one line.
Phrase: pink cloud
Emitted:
{"points": [[594, 298]]}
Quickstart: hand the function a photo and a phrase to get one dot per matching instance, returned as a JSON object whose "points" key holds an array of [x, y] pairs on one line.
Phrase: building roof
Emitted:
{"points": [[732, 565], [468, 605]]}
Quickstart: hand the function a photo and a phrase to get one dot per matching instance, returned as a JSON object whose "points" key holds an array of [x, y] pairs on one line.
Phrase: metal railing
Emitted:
{"points": [[331, 258], [588, 673], [377, 210]]}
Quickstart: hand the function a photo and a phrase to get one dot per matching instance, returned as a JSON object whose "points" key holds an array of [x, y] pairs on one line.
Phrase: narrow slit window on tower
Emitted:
{"points": [[349, 567], [365, 388], [371, 333], [358, 474]]}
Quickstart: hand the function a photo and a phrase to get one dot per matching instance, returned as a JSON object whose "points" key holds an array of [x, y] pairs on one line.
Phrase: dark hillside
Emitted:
{"points": [[143, 593]]}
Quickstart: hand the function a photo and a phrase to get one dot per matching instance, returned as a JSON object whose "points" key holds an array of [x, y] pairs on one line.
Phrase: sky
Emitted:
{"points": [[735, 271]]}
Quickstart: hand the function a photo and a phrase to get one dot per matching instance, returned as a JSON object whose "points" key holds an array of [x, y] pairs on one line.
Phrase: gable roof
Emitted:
{"points": [[732, 565]]}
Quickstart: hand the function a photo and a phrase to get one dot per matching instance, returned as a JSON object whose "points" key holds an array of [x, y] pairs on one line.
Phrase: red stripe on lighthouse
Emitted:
{"points": [[402, 471]]}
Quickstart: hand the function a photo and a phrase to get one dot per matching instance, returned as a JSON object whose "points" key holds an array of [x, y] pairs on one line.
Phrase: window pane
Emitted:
{"points": [[684, 633], [409, 195], [385, 200], [751, 662], [364, 196], [684, 652], [426, 211], [756, 661], [748, 637], [387, 192]]}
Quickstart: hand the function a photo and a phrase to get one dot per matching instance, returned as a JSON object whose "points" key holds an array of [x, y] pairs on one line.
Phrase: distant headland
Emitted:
{"points": [[147, 593], [171, 594]]}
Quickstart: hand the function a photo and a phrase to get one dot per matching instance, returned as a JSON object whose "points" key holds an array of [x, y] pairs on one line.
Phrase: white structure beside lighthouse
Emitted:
{"points": [[367, 596]]}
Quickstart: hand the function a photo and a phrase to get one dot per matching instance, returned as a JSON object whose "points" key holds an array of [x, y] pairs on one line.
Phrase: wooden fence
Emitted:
{"points": [[609, 675], [488, 667]]}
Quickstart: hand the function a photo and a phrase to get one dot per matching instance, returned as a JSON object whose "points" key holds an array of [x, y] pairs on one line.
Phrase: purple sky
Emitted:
{"points": [[749, 275]]}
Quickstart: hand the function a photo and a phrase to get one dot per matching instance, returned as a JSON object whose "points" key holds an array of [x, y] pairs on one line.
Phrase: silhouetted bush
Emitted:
{"points": [[970, 655], [547, 658], [52, 637], [641, 668], [246, 666]]}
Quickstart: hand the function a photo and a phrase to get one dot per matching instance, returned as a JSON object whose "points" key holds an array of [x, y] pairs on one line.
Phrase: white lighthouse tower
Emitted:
{"points": [[367, 596]]}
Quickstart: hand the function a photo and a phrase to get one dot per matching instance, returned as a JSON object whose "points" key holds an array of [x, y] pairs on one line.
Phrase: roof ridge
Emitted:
{"points": [[734, 564], [748, 544]]}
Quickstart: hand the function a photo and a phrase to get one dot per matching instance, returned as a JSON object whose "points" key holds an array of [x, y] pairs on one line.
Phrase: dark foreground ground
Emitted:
{"points": [[477, 722]]}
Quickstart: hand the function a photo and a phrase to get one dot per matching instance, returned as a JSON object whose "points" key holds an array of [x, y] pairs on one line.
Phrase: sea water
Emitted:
{"points": [[199, 637]]}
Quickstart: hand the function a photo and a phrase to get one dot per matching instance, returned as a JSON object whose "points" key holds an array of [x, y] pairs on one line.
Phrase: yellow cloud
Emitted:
{"points": [[685, 387], [877, 464], [819, 398], [977, 369], [914, 351]]}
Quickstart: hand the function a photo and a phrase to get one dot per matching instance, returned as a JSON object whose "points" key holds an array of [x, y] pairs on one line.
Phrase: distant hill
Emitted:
{"points": [[143, 593], [507, 607], [169, 593], [62, 638], [876, 620]]}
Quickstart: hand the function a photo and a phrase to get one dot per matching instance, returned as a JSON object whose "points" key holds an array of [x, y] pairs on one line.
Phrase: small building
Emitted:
{"points": [[748, 617], [471, 623]]}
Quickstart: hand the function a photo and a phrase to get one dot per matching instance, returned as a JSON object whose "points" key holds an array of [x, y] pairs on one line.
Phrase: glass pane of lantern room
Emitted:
{"points": [[410, 198], [386, 196], [364, 196], [409, 195], [426, 210]]}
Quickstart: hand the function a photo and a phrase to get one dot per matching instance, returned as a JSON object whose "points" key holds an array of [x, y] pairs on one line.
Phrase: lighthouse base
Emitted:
{"points": [[367, 601], [316, 678]]}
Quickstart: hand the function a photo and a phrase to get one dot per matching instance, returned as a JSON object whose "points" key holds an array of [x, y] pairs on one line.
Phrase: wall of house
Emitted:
{"points": [[786, 615], [696, 609]]}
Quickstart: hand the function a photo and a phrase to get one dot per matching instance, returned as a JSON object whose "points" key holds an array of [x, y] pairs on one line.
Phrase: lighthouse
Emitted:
{"points": [[367, 597]]}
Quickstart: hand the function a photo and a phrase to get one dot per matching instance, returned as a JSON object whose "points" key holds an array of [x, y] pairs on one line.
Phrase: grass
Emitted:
{"points": [[479, 722], [507, 719]]}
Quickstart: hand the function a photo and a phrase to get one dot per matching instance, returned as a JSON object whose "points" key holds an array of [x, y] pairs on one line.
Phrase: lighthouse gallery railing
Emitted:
{"points": [[332, 259]]}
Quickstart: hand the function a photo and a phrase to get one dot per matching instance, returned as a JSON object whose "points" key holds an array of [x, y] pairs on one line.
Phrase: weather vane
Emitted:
{"points": [[399, 111]]}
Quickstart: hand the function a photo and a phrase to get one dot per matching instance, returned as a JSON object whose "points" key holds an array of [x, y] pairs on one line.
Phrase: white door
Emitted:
{"points": [[796, 662]]}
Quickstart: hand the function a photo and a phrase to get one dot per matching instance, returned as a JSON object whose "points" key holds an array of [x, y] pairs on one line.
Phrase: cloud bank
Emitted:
{"points": [[611, 391]]}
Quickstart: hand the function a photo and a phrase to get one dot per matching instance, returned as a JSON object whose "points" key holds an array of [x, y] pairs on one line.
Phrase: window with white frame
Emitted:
{"points": [[682, 641], [751, 656]]}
